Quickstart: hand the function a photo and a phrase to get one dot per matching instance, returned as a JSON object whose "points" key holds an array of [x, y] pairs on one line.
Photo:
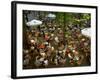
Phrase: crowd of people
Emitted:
{"points": [[50, 45]]}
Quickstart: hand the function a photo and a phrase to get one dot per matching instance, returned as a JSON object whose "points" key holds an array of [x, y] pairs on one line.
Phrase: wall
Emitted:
{"points": [[5, 40]]}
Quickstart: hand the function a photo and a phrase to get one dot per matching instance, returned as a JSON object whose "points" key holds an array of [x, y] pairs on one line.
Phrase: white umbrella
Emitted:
{"points": [[51, 16], [34, 22], [86, 32]]}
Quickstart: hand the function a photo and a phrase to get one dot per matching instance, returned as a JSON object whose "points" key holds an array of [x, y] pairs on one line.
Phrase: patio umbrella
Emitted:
{"points": [[51, 16], [34, 22], [86, 32]]}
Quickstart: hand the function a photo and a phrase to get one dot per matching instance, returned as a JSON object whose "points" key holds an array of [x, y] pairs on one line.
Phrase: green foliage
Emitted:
{"points": [[79, 19]]}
